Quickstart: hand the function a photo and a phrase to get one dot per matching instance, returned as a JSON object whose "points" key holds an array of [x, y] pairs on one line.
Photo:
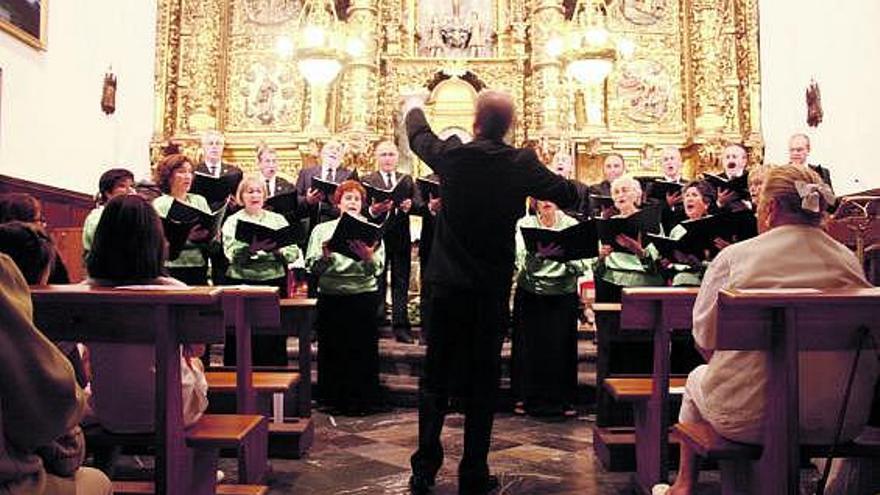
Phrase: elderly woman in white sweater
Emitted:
{"points": [[791, 252]]}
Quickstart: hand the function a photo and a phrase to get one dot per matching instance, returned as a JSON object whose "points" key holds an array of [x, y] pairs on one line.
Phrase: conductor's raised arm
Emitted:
{"points": [[424, 143]]}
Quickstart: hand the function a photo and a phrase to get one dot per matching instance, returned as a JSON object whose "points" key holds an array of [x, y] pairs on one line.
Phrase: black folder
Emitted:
{"points": [[215, 189], [699, 240], [632, 226], [325, 186], [249, 232], [600, 202], [282, 203], [577, 242], [398, 194], [350, 228], [182, 218], [659, 188], [428, 188], [739, 185]]}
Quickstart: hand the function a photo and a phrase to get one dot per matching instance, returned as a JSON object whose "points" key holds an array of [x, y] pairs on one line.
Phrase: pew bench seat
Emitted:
{"points": [[636, 389], [707, 443], [149, 488], [264, 382], [213, 432]]}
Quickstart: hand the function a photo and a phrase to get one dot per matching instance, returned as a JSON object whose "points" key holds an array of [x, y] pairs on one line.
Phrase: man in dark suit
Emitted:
{"points": [[484, 185], [733, 160], [398, 246], [212, 164], [312, 203], [672, 210], [563, 165], [267, 162], [612, 167], [799, 153], [426, 206]]}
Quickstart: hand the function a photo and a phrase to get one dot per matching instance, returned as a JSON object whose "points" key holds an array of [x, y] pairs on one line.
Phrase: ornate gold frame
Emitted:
{"points": [[41, 42]]}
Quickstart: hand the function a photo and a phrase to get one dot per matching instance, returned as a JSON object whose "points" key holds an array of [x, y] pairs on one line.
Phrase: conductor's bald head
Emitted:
{"points": [[494, 115]]}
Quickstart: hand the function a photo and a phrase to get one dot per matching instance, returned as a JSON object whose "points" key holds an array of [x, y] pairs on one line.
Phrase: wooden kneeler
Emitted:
{"points": [[186, 460]]}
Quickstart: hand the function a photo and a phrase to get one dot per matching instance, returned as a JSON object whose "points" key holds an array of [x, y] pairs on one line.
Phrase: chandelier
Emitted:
{"points": [[321, 48], [586, 46]]}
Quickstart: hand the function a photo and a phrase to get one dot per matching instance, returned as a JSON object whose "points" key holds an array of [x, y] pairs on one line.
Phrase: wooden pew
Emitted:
{"points": [[258, 310], [165, 319], [614, 435], [659, 310], [782, 323]]}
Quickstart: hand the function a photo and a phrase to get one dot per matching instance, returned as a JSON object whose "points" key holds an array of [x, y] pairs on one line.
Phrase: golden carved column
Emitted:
{"points": [[202, 65], [705, 44], [360, 82], [546, 82]]}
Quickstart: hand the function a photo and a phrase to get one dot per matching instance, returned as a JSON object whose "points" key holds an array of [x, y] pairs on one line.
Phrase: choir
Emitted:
{"points": [[214, 224]]}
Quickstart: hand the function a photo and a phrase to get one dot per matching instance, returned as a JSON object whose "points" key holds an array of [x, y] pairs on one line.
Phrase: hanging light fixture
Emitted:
{"points": [[588, 49], [318, 42]]}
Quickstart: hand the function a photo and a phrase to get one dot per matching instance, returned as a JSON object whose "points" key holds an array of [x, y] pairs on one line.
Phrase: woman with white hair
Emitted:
{"points": [[632, 267]]}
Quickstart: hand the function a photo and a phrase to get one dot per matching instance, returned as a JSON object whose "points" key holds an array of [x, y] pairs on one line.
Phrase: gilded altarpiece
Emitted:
{"points": [[692, 81]]}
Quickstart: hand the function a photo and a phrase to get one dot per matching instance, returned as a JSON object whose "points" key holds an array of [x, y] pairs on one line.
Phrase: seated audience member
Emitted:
{"points": [[258, 263], [32, 251], [40, 403], [791, 252], [348, 339], [175, 180], [129, 249], [615, 270], [686, 270], [756, 179], [112, 183], [545, 320], [26, 208]]}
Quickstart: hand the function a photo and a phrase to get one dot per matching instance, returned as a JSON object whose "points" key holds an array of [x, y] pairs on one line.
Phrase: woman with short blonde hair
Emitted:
{"points": [[791, 252]]}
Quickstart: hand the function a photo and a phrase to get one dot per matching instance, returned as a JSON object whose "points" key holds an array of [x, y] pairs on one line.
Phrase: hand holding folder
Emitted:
{"points": [[352, 234], [572, 243]]}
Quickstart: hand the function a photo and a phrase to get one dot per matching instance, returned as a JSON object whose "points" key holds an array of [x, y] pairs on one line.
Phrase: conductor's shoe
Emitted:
{"points": [[420, 484], [403, 335], [478, 486]]}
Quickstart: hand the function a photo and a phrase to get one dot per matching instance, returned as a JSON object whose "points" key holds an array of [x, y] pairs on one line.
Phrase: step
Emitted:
{"points": [[264, 382], [149, 488], [292, 438]]}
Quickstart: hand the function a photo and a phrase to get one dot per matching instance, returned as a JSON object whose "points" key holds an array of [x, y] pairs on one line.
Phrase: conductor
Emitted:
{"points": [[484, 185]]}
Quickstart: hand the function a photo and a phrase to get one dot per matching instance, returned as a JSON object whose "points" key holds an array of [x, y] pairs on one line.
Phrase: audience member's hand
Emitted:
{"points": [[673, 199], [199, 234], [314, 196], [632, 245], [605, 250], [405, 205], [363, 250], [551, 250]]}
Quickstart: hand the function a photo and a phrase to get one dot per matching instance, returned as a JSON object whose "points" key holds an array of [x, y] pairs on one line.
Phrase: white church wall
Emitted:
{"points": [[52, 129], [837, 44]]}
